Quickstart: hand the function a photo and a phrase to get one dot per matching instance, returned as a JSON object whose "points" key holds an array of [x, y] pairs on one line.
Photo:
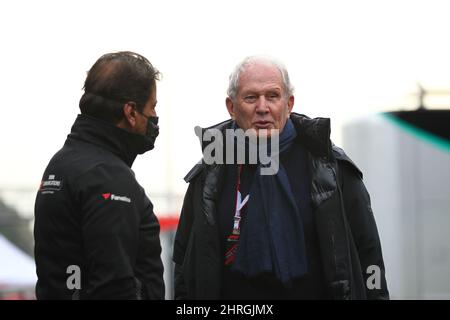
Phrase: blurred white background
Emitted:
{"points": [[346, 59]]}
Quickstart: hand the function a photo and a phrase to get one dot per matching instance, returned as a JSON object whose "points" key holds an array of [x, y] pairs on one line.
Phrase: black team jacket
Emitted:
{"points": [[91, 214]]}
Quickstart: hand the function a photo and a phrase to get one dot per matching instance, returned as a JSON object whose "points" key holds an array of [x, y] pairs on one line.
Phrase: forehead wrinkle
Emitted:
{"points": [[266, 88], [265, 75]]}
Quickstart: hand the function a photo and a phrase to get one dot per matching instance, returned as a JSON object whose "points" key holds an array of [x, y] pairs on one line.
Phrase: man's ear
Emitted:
{"points": [[290, 104], [230, 107], [129, 115]]}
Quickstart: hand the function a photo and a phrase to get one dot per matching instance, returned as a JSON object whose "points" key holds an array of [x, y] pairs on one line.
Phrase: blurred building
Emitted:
{"points": [[17, 268], [405, 159]]}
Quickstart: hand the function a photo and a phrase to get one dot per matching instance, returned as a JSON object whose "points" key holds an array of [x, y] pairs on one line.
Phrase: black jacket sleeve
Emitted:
{"points": [[110, 233], [181, 240], [364, 230], [149, 268]]}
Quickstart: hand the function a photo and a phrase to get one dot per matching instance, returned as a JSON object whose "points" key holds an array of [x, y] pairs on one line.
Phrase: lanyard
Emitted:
{"points": [[240, 204], [233, 238]]}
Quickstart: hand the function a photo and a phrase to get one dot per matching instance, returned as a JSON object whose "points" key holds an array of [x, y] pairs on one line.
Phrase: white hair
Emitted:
{"points": [[252, 60]]}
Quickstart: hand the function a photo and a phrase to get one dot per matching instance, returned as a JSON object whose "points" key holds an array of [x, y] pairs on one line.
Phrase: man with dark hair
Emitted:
{"points": [[304, 230], [96, 236]]}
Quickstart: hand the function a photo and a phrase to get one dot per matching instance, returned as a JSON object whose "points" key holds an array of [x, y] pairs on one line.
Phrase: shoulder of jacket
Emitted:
{"points": [[340, 155], [194, 172], [101, 172], [200, 166]]}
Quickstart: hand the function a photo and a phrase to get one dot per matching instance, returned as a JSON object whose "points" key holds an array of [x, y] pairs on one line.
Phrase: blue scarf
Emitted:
{"points": [[272, 238]]}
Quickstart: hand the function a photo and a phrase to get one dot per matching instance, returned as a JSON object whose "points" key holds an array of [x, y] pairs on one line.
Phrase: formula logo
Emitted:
{"points": [[113, 197]]}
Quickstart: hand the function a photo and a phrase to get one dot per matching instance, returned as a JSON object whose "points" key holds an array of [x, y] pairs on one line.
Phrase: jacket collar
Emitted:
{"points": [[313, 133], [124, 144]]}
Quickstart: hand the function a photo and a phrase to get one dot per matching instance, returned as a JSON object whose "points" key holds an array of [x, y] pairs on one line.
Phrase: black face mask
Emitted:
{"points": [[152, 131], [151, 134]]}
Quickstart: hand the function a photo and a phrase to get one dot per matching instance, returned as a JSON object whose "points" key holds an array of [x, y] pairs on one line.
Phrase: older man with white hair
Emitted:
{"points": [[306, 231]]}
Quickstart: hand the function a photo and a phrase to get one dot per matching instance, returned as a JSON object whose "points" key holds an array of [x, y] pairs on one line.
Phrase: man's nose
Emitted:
{"points": [[262, 105]]}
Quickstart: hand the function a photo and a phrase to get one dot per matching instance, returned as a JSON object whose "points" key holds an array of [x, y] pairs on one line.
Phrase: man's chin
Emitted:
{"points": [[266, 132]]}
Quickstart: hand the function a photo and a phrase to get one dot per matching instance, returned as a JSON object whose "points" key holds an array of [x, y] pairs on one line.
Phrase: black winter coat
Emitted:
{"points": [[347, 232], [91, 213]]}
